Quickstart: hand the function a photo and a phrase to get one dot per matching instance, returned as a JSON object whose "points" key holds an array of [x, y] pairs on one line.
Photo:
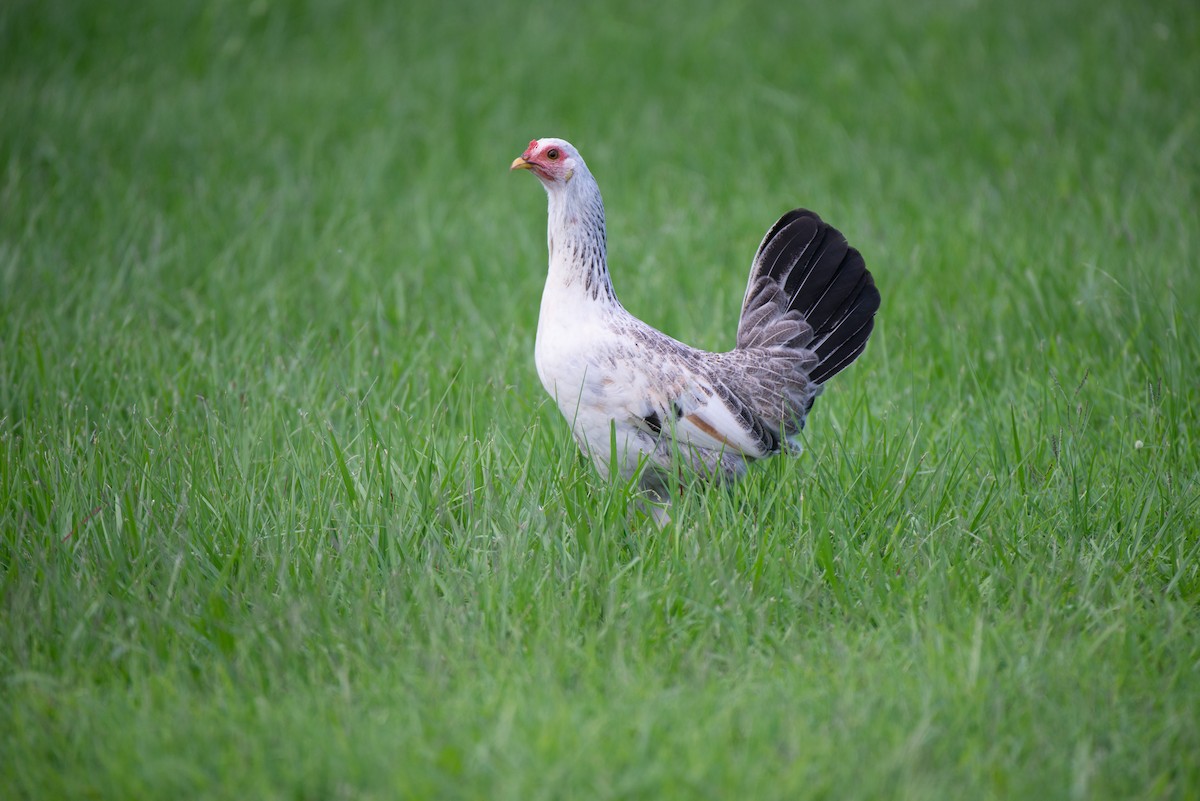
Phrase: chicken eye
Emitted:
{"points": [[552, 154]]}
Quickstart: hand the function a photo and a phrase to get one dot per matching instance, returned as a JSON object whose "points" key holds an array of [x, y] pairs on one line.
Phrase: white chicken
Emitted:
{"points": [[642, 403]]}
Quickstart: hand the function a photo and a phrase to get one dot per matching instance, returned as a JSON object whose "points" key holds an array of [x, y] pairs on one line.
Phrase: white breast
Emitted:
{"points": [[575, 361]]}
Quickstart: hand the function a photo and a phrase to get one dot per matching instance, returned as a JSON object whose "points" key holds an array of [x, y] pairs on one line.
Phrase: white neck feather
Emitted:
{"points": [[575, 237]]}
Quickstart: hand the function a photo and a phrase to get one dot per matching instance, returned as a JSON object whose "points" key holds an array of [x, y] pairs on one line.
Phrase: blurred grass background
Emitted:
{"points": [[285, 514]]}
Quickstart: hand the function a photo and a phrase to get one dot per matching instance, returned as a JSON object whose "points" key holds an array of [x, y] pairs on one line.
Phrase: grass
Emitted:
{"points": [[285, 514]]}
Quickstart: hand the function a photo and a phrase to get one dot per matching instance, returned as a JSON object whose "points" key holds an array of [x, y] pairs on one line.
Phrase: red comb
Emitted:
{"points": [[532, 144]]}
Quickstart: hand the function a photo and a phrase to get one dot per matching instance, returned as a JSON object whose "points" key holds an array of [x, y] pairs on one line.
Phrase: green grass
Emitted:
{"points": [[285, 514]]}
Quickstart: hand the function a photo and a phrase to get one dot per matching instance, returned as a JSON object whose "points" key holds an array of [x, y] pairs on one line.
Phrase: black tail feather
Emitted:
{"points": [[825, 280]]}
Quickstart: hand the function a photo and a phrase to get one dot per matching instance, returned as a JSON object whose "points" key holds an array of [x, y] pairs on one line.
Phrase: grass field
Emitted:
{"points": [[284, 512]]}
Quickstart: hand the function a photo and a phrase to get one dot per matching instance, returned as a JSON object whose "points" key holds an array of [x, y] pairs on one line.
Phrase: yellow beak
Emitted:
{"points": [[519, 163]]}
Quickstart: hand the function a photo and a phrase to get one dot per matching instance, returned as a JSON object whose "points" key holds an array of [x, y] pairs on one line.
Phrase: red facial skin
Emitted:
{"points": [[539, 160]]}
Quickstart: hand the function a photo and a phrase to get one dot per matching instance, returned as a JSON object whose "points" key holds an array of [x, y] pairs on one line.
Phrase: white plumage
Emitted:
{"points": [[633, 394]]}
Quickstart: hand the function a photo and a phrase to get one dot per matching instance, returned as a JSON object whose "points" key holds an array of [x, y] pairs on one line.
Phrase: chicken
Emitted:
{"points": [[641, 403]]}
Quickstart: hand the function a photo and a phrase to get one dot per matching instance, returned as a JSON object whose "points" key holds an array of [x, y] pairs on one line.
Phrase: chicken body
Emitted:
{"points": [[638, 400]]}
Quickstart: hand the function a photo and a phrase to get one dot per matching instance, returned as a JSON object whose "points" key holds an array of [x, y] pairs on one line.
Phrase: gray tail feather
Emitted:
{"points": [[808, 288]]}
